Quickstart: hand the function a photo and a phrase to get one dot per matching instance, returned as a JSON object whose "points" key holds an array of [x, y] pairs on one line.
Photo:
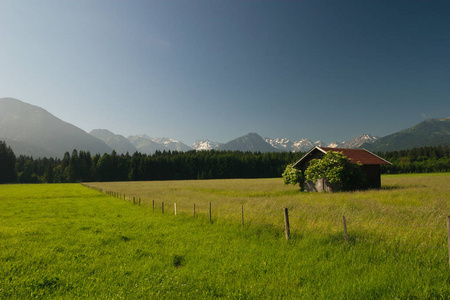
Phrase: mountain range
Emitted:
{"points": [[304, 145], [432, 132], [31, 130]]}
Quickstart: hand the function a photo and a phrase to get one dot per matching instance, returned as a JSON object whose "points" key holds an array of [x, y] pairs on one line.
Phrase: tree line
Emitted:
{"points": [[417, 160], [80, 166]]}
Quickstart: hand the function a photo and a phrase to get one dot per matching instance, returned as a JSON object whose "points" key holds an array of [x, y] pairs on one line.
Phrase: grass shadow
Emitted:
{"points": [[391, 187]]}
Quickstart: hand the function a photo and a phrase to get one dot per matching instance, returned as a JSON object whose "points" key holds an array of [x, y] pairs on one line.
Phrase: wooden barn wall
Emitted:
{"points": [[314, 155], [373, 175]]}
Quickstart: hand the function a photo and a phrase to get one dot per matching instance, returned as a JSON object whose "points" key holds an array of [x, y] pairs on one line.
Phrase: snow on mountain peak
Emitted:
{"points": [[201, 145], [164, 140]]}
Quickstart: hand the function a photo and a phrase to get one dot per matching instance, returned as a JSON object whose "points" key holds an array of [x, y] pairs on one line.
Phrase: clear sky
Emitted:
{"points": [[216, 69]]}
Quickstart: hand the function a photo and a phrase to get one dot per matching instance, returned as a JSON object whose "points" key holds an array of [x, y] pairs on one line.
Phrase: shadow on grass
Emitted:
{"points": [[392, 187], [401, 187]]}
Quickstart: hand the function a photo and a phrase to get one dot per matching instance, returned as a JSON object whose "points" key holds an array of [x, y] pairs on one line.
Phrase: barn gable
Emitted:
{"points": [[370, 165]]}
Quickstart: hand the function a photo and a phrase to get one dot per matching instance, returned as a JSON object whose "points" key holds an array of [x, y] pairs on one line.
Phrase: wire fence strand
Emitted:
{"points": [[431, 236]]}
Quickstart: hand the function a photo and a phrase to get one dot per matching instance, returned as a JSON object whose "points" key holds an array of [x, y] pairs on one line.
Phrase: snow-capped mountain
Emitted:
{"points": [[250, 142], [171, 144], [355, 142], [360, 140], [32, 131], [336, 145], [144, 144], [280, 143], [201, 145], [305, 145], [148, 145], [287, 145], [302, 146], [320, 143], [115, 141]]}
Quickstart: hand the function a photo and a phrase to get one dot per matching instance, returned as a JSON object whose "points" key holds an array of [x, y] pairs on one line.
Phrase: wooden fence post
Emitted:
{"points": [[210, 212], [175, 208], [162, 207], [153, 204], [139, 201], [242, 214], [448, 237], [286, 223], [194, 210], [345, 230]]}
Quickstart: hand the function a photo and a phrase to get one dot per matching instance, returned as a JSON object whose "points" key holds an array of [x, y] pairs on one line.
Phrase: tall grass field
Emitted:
{"points": [[70, 241]]}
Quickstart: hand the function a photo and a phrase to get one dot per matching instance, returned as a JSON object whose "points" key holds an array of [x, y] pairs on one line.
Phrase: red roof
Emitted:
{"points": [[359, 155], [362, 156]]}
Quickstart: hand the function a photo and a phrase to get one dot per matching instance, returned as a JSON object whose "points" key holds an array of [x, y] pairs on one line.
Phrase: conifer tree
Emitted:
{"points": [[7, 164]]}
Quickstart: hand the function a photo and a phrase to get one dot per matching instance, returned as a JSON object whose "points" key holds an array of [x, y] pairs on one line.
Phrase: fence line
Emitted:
{"points": [[346, 223]]}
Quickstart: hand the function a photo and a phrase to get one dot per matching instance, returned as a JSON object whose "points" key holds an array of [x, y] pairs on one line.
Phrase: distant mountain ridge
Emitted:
{"points": [[172, 145], [144, 144], [432, 132], [285, 144], [148, 145], [32, 131], [356, 142], [250, 142], [115, 141], [204, 145], [305, 145]]}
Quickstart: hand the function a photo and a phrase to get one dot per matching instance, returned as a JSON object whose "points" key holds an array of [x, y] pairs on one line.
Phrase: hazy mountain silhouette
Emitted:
{"points": [[115, 141], [145, 145], [250, 142], [32, 130], [432, 132]]}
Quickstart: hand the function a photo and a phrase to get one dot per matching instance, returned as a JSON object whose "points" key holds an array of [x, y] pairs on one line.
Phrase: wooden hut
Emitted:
{"points": [[370, 165]]}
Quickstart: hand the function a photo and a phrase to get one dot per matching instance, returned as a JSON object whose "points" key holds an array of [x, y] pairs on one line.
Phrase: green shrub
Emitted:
{"points": [[337, 170], [293, 176]]}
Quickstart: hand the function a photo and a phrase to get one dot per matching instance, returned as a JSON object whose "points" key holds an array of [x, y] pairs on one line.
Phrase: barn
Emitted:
{"points": [[370, 165]]}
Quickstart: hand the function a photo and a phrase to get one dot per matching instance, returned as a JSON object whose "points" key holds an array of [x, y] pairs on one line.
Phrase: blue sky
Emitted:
{"points": [[188, 70]]}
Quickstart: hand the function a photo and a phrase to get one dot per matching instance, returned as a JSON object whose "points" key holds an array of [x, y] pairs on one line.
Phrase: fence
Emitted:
{"points": [[342, 226]]}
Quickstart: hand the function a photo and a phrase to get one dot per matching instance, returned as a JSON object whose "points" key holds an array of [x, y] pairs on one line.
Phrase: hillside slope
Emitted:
{"points": [[250, 142], [432, 132], [35, 131], [115, 141]]}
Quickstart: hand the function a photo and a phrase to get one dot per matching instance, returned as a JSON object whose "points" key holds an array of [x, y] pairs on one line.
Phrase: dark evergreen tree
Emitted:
{"points": [[49, 172], [73, 170], [7, 164]]}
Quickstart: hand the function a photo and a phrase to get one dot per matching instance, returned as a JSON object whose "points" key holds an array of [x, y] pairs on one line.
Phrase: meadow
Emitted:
{"points": [[69, 241]]}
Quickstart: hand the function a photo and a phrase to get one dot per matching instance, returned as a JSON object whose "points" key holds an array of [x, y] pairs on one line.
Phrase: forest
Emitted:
{"points": [[417, 160], [80, 166]]}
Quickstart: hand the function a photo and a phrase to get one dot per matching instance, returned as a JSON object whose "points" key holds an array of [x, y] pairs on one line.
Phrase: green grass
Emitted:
{"points": [[68, 241]]}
